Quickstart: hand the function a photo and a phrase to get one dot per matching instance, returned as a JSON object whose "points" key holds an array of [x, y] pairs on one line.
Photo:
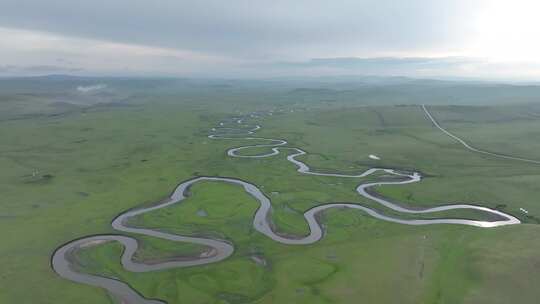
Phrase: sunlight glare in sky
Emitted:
{"points": [[507, 31]]}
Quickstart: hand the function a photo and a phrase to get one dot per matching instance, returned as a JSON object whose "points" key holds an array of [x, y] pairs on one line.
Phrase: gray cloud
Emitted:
{"points": [[251, 28], [36, 69], [410, 66], [245, 38], [384, 62], [437, 67]]}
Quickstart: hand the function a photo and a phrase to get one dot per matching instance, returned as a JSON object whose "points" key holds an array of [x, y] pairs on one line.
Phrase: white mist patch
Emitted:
{"points": [[92, 88], [375, 157]]}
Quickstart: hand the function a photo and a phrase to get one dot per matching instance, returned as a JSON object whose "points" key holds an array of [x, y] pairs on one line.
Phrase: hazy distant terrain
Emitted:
{"points": [[50, 95]]}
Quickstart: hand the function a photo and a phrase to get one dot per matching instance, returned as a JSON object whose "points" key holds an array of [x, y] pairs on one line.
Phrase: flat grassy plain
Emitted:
{"points": [[68, 176]]}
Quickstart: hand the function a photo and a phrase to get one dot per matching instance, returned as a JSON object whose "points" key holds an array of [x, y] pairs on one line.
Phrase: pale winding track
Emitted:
{"points": [[123, 293], [471, 148]]}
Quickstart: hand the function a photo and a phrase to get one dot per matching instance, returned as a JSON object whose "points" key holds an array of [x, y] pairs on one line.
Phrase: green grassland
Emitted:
{"points": [[67, 176]]}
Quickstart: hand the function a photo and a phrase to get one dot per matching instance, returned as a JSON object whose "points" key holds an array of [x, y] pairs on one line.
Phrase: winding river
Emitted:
{"points": [[63, 257]]}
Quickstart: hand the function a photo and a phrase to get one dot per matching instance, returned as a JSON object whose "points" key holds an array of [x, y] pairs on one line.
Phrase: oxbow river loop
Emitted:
{"points": [[124, 293]]}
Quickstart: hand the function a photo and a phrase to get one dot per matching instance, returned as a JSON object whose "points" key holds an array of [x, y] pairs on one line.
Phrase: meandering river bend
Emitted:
{"points": [[63, 257]]}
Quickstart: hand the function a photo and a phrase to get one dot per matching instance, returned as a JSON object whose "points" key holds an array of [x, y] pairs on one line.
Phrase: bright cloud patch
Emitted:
{"points": [[92, 88]]}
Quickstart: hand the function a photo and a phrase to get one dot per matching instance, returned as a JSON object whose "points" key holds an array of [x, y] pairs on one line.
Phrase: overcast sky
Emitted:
{"points": [[251, 38]]}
